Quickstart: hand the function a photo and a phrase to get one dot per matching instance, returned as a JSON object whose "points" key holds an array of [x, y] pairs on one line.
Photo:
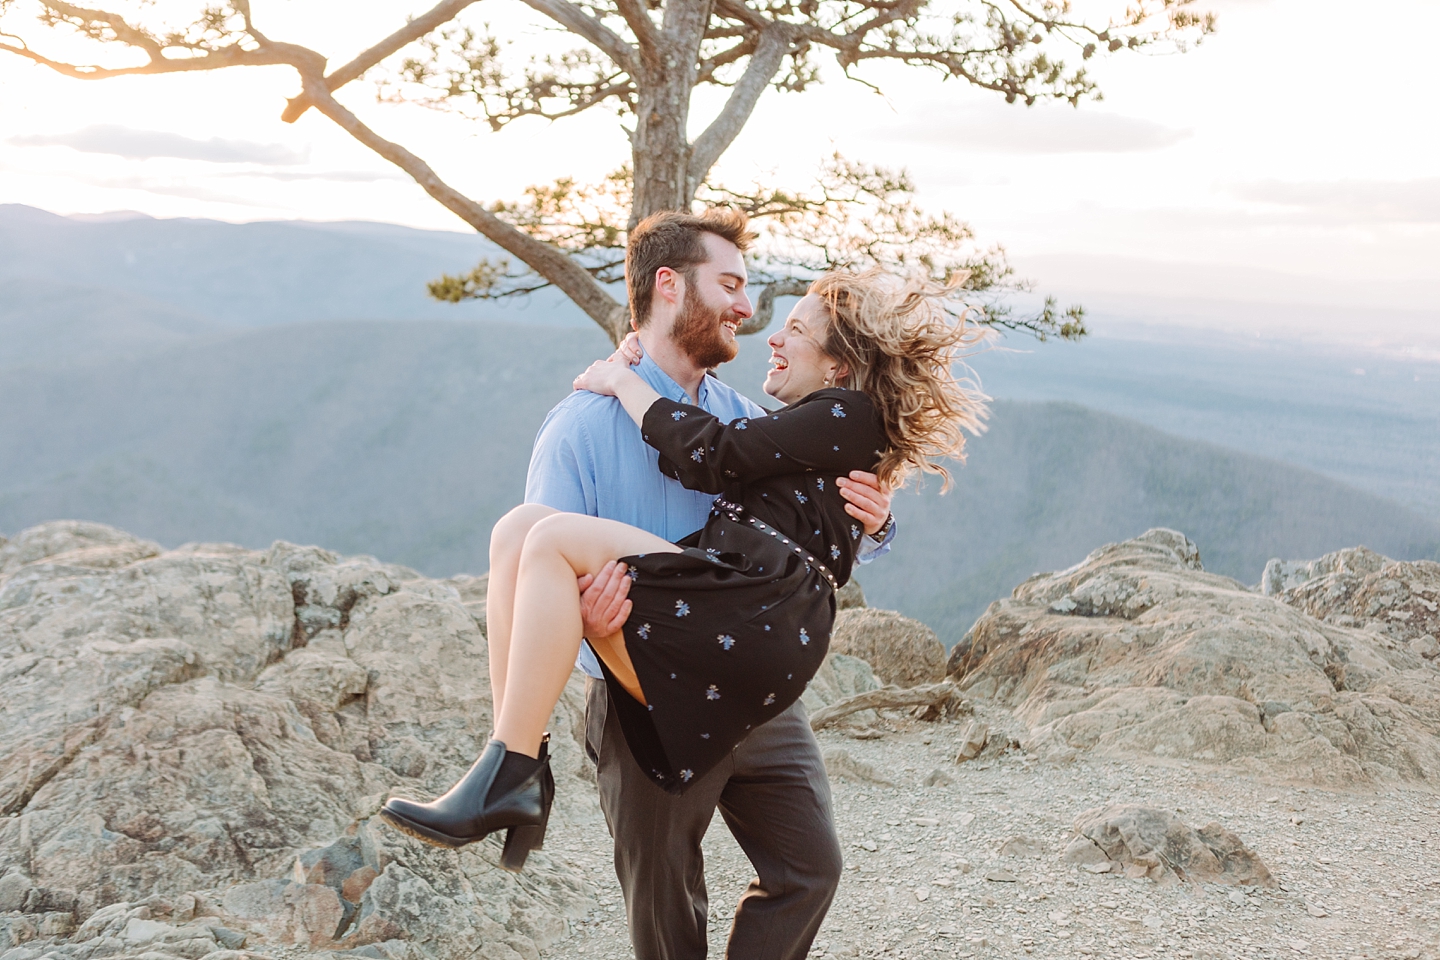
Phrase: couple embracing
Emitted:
{"points": [[696, 542]]}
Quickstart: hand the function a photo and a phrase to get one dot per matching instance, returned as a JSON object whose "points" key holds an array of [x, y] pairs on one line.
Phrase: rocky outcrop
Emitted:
{"points": [[901, 651], [1145, 842], [1138, 651], [1360, 588], [196, 741]]}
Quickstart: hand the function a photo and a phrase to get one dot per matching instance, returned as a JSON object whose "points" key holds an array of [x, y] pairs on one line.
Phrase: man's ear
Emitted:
{"points": [[670, 285]]}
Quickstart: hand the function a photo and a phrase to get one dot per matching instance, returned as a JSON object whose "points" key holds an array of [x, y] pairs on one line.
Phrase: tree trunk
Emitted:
{"points": [[660, 148]]}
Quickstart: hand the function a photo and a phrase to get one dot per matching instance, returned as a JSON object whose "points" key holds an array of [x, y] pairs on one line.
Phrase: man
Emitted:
{"points": [[686, 282]]}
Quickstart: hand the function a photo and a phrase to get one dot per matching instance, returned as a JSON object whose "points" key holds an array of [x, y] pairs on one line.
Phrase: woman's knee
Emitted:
{"points": [[509, 533], [551, 532]]}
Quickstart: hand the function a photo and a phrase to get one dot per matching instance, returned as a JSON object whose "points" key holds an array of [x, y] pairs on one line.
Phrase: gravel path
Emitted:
{"points": [[1359, 871]]}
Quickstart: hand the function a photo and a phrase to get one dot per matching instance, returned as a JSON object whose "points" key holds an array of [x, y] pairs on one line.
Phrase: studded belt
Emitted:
{"points": [[734, 510]]}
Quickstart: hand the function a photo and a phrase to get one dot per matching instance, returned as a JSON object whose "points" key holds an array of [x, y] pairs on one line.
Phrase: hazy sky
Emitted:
{"points": [[1292, 157]]}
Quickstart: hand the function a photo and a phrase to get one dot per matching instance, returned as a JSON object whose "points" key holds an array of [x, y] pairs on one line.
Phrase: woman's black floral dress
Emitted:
{"points": [[725, 635]]}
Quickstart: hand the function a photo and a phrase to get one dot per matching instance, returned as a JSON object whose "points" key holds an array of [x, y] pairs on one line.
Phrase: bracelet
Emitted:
{"points": [[879, 535]]}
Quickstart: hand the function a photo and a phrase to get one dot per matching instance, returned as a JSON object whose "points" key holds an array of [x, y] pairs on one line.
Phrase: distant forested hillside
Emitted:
{"points": [[75, 291], [407, 440], [255, 274]]}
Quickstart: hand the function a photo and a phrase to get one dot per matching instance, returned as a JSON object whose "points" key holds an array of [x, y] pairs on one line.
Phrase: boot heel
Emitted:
{"points": [[519, 841]]}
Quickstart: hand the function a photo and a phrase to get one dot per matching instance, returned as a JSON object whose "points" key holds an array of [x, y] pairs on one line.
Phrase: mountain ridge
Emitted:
{"points": [[408, 439]]}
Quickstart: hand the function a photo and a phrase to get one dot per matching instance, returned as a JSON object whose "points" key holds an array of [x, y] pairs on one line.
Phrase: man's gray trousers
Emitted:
{"points": [[774, 797]]}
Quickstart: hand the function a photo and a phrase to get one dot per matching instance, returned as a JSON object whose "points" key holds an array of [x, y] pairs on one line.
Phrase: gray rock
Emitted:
{"points": [[850, 596], [1360, 588], [972, 740], [901, 651], [1137, 651], [1153, 843], [840, 764], [839, 677], [937, 778], [14, 889], [1024, 847], [205, 732]]}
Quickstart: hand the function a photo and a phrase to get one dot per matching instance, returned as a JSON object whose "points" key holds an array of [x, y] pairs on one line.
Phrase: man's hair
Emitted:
{"points": [[674, 239]]}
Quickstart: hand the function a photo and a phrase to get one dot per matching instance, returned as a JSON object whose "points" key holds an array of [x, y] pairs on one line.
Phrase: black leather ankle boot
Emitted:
{"points": [[467, 812]]}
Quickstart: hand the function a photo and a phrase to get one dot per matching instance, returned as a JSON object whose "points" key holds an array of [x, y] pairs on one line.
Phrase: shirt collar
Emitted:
{"points": [[665, 385]]}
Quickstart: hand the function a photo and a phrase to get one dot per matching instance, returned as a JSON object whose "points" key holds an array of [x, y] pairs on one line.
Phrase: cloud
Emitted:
{"points": [[1353, 201], [144, 144], [337, 176], [1003, 128]]}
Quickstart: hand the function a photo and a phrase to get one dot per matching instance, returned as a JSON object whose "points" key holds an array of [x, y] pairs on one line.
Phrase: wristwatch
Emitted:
{"points": [[879, 535]]}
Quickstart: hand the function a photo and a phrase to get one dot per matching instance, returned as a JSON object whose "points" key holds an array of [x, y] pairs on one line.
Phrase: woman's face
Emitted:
{"points": [[799, 365]]}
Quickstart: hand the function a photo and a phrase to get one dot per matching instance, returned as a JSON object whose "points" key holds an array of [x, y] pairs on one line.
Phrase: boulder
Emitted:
{"points": [[1145, 842], [901, 651], [210, 731], [838, 678], [850, 596], [1360, 588], [1137, 651]]}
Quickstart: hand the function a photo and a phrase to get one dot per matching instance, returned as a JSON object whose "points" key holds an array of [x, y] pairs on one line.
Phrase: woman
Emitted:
{"points": [[727, 626]]}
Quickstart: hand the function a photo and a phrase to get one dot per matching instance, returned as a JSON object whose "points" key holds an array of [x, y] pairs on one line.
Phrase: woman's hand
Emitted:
{"points": [[630, 349], [605, 376]]}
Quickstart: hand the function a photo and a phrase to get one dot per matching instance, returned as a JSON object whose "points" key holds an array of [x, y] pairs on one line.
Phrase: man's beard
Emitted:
{"points": [[697, 332]]}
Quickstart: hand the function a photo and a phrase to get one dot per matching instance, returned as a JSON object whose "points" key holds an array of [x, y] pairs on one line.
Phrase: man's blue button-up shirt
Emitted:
{"points": [[589, 458]]}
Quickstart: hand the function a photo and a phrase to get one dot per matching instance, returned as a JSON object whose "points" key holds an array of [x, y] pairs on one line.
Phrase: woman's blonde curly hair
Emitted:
{"points": [[901, 339]]}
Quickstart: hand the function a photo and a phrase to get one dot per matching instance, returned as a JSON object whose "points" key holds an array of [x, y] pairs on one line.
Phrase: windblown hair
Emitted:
{"points": [[674, 239], [901, 340]]}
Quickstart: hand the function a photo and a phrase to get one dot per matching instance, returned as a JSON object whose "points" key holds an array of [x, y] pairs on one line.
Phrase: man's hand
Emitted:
{"points": [[603, 607], [867, 500]]}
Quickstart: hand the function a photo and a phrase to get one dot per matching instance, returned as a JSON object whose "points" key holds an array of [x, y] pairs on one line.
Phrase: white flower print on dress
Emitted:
{"points": [[837, 411], [854, 532], [643, 631], [633, 573], [834, 552], [726, 641], [820, 484], [698, 454], [687, 775], [742, 424], [801, 497], [712, 693], [682, 609], [712, 554], [679, 415], [769, 700], [804, 638]]}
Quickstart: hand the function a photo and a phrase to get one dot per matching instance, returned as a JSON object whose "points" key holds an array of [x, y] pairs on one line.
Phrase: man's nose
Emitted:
{"points": [[744, 308], [774, 340]]}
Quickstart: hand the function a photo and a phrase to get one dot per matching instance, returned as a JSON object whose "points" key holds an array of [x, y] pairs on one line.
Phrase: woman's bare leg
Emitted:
{"points": [[546, 626], [506, 542]]}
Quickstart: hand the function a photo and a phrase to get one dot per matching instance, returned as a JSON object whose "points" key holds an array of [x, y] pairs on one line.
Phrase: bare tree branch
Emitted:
{"points": [[554, 265], [640, 24], [885, 698], [765, 304], [443, 12], [577, 21], [765, 62]]}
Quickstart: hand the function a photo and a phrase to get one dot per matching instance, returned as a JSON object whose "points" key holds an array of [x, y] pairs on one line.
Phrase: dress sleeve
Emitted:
{"points": [[831, 432]]}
